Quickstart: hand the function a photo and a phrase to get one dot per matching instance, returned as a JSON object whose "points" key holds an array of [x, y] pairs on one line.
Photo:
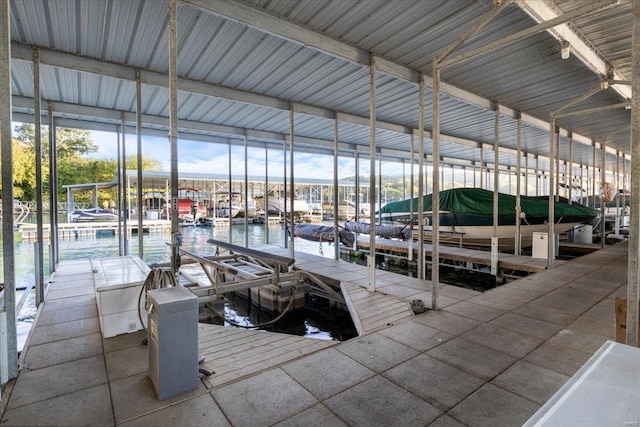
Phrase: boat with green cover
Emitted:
{"points": [[466, 214]]}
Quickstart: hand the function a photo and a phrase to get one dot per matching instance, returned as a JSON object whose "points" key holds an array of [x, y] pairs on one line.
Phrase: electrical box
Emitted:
{"points": [[173, 340], [540, 245]]}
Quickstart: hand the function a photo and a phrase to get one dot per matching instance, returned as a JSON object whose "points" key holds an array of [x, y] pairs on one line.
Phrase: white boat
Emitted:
{"points": [[480, 235], [346, 209], [278, 201], [466, 216], [224, 209], [89, 215], [237, 202]]}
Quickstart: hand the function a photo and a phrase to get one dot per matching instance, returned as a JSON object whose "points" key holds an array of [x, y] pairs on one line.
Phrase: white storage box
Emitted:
{"points": [[540, 245], [118, 282]]}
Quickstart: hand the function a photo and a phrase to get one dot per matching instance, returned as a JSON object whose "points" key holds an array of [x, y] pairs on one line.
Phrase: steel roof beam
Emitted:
{"points": [[592, 7], [593, 110], [542, 11], [74, 62], [306, 37]]}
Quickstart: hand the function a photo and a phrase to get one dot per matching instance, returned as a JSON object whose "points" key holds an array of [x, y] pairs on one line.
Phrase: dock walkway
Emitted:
{"points": [[452, 255], [484, 359]]}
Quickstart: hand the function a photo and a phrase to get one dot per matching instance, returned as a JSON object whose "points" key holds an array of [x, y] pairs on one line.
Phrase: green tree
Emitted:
{"points": [[69, 142], [24, 176], [75, 166], [148, 163]]}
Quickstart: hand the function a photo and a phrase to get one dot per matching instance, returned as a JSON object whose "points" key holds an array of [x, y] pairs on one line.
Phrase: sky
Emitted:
{"points": [[203, 157]]}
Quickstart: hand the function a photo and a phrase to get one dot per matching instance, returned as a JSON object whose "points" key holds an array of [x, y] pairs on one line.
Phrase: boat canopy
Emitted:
{"points": [[476, 201]]}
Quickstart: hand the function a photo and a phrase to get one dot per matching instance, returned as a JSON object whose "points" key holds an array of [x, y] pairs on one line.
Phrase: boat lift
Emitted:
{"points": [[243, 268]]}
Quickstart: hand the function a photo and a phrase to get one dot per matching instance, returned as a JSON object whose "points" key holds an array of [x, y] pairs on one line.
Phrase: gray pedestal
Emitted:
{"points": [[173, 341]]}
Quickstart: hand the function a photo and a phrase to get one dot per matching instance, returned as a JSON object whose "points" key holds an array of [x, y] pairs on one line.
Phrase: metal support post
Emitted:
{"points": [[176, 237], [603, 163], [496, 175], [336, 239], [8, 343], [266, 195], [570, 168], [53, 188], [482, 166], [557, 166], [411, 176], [119, 186], [246, 189], [125, 189], [379, 197], [139, 163], [594, 188], [633, 284], [421, 265], [293, 188], [551, 235], [230, 194], [371, 260], [39, 249], [517, 247], [435, 198], [356, 158], [617, 186]]}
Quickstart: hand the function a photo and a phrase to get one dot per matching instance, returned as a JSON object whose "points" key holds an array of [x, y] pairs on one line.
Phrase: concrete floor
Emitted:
{"points": [[489, 359]]}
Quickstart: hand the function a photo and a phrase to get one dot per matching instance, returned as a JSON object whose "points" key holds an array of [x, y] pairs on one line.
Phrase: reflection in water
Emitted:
{"points": [[156, 250]]}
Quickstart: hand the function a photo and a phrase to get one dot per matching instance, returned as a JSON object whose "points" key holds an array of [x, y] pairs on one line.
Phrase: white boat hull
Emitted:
{"points": [[481, 235], [277, 206]]}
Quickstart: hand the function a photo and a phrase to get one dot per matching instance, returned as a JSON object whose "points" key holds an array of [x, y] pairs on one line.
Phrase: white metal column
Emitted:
{"points": [[173, 130], [633, 286], [496, 175], [421, 261], [435, 197], [139, 163], [336, 239], [371, 259], [292, 188], [39, 251], [8, 340], [518, 177], [551, 234]]}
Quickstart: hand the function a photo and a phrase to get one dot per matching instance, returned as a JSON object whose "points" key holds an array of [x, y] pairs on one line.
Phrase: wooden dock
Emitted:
{"points": [[489, 358], [472, 259], [74, 230]]}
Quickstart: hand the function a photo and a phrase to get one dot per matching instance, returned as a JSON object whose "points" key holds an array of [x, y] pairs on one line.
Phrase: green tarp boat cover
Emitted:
{"points": [[479, 202]]}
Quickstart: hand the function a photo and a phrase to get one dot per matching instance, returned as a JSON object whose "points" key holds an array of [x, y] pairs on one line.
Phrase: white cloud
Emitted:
{"points": [[205, 157]]}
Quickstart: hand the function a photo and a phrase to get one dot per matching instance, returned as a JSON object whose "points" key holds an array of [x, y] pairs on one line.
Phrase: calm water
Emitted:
{"points": [[317, 322], [156, 251]]}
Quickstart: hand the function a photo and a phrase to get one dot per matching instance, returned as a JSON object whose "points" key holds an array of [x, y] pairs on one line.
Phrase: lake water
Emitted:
{"points": [[317, 323], [157, 251]]}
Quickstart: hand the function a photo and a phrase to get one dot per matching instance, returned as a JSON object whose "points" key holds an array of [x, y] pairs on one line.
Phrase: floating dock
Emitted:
{"points": [[74, 230], [470, 259], [489, 358]]}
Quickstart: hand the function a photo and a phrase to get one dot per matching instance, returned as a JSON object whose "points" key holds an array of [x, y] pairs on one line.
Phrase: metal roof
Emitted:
{"points": [[242, 64]]}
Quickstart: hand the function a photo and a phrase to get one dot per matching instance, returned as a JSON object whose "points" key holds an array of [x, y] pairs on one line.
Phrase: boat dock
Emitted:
{"points": [[470, 259], [489, 358], [73, 230]]}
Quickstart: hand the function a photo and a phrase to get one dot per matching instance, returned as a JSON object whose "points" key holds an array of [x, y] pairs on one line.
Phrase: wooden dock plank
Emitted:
{"points": [[505, 261]]}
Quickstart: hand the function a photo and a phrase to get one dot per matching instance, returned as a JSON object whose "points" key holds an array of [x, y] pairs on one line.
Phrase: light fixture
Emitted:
{"points": [[565, 49], [604, 84]]}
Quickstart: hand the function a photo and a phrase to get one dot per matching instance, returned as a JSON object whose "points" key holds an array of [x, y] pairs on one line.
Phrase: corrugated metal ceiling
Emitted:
{"points": [[526, 76]]}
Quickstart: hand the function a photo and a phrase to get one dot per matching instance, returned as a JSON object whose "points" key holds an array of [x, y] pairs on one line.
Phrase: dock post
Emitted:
{"points": [[8, 345], [371, 259], [634, 227], [173, 129], [422, 274]]}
